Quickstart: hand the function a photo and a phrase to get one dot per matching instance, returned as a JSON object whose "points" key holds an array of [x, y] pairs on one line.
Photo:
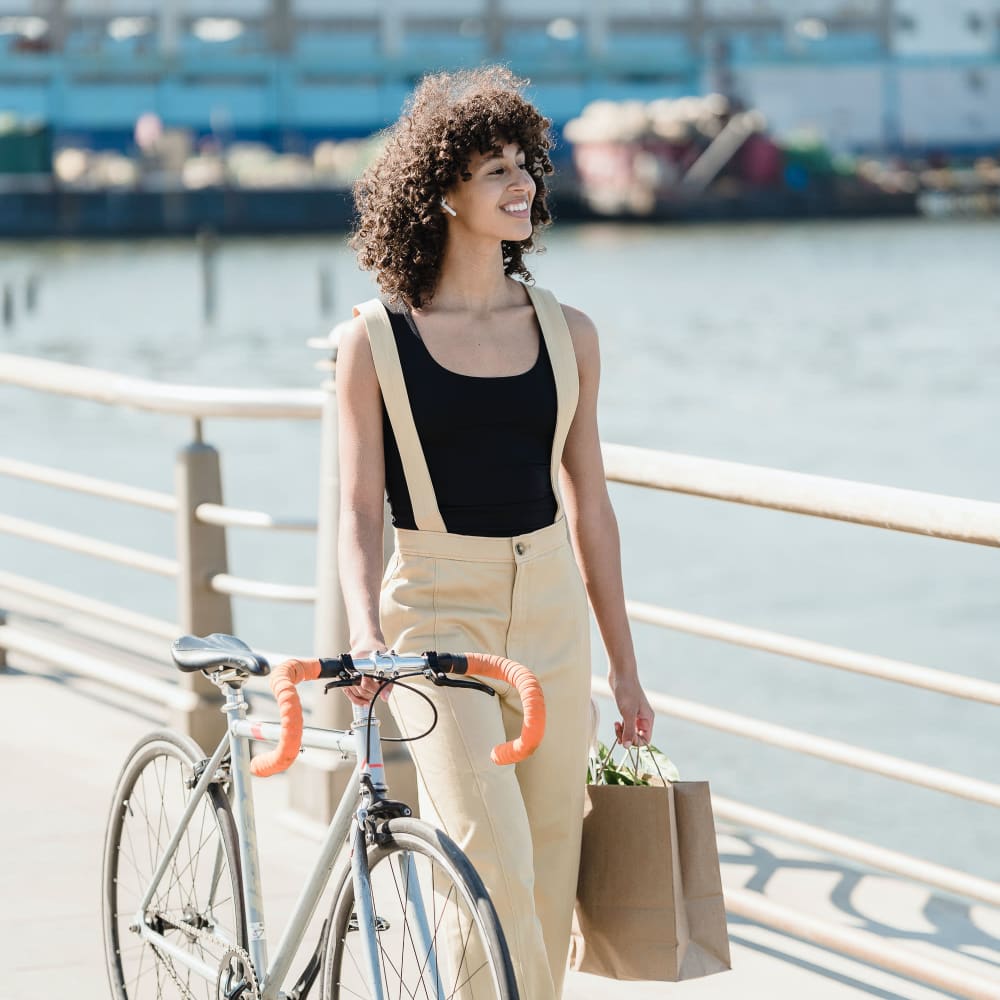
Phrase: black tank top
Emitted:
{"points": [[487, 442]]}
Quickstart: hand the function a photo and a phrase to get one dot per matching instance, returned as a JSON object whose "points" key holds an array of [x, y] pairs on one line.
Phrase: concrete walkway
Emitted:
{"points": [[61, 748]]}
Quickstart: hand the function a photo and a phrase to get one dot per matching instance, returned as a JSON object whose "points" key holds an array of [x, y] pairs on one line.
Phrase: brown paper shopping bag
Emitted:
{"points": [[649, 900]]}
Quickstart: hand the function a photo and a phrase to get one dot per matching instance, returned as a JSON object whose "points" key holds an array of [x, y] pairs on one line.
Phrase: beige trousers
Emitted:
{"points": [[520, 826]]}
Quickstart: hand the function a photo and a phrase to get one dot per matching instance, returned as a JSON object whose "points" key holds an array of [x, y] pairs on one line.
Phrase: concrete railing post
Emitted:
{"points": [[201, 553], [317, 782]]}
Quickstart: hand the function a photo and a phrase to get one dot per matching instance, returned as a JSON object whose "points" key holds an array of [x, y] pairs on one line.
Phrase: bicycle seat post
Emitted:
{"points": [[231, 681]]}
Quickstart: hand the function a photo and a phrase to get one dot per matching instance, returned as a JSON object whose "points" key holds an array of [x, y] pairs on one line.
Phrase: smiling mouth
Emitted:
{"points": [[516, 206]]}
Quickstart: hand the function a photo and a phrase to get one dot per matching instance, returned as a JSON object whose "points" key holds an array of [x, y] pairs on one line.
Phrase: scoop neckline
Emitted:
{"points": [[408, 317]]}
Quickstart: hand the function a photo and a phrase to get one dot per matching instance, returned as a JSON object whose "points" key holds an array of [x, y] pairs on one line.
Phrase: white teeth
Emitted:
{"points": [[521, 206]]}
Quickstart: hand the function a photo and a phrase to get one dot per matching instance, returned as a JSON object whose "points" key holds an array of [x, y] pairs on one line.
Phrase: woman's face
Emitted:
{"points": [[496, 200]]}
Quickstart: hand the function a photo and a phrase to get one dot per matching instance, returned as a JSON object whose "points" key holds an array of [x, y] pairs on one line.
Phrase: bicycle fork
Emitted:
{"points": [[415, 913], [371, 766], [419, 928]]}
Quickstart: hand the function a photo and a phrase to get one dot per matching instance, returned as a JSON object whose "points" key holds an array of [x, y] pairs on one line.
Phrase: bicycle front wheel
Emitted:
{"points": [[198, 906], [437, 934]]}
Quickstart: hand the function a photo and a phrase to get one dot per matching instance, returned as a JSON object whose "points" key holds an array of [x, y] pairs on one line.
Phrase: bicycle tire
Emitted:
{"points": [[202, 889], [406, 969]]}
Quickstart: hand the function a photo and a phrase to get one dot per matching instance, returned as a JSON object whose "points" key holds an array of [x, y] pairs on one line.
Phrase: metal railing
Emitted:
{"points": [[200, 567], [205, 587]]}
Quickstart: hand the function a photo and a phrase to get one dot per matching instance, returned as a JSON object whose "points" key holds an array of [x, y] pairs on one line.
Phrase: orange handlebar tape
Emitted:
{"points": [[532, 702], [292, 672], [283, 682]]}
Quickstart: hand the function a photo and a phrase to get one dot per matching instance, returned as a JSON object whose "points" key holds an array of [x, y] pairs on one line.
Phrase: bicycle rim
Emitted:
{"points": [[199, 902], [437, 934]]}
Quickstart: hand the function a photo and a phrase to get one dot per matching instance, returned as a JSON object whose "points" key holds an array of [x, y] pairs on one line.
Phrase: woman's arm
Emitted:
{"points": [[594, 532], [362, 492]]}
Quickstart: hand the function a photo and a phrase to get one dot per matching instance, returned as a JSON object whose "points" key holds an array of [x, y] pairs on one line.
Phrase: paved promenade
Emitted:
{"points": [[61, 747]]}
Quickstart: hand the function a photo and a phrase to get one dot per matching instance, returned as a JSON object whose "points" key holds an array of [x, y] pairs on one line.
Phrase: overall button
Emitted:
{"points": [[520, 548]]}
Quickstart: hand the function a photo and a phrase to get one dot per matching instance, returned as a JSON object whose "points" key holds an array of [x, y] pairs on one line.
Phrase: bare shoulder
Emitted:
{"points": [[353, 347], [583, 333], [355, 364], [351, 334], [579, 323]]}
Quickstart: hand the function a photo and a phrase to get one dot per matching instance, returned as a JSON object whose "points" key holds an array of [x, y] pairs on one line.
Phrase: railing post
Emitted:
{"points": [[201, 553], [317, 783]]}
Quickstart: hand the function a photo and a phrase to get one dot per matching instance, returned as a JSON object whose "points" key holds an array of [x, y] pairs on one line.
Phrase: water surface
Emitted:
{"points": [[866, 351]]}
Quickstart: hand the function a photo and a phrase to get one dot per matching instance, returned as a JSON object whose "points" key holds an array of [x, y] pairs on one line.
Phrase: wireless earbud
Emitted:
{"points": [[448, 207]]}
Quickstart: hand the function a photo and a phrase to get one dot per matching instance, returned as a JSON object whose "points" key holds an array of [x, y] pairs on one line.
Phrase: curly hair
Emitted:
{"points": [[401, 230]]}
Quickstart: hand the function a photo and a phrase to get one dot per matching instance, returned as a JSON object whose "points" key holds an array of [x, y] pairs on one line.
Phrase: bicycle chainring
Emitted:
{"points": [[237, 979]]}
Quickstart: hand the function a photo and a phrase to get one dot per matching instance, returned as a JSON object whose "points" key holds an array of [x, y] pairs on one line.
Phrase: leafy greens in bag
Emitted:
{"points": [[640, 766]]}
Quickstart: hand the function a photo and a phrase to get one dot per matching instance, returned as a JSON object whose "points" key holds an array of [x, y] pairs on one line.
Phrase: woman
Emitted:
{"points": [[480, 393]]}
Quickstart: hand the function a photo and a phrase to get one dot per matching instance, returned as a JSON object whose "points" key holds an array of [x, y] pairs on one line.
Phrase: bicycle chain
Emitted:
{"points": [[227, 950]]}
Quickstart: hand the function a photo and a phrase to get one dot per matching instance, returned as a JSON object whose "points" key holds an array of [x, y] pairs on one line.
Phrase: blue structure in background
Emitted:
{"points": [[290, 72]]}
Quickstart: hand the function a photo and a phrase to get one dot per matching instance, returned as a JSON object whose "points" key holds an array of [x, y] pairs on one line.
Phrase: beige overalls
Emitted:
{"points": [[520, 597]]}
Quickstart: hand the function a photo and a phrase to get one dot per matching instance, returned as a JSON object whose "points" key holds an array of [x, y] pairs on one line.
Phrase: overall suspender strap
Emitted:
{"points": [[426, 514], [562, 357]]}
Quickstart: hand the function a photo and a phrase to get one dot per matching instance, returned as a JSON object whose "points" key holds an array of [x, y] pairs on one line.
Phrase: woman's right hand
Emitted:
{"points": [[362, 694]]}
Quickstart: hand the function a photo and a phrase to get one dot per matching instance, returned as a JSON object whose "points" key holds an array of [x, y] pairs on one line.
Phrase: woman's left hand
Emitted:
{"points": [[636, 726]]}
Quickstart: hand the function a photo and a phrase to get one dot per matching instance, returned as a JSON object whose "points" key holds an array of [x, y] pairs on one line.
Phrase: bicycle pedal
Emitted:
{"points": [[381, 924]]}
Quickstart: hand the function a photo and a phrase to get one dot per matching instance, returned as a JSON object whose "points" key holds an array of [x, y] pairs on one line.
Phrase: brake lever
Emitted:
{"points": [[346, 680], [443, 680]]}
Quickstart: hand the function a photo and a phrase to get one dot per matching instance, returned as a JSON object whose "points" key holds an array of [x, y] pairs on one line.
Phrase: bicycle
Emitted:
{"points": [[182, 907]]}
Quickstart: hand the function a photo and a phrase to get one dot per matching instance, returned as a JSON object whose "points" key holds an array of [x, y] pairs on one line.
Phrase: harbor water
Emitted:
{"points": [[864, 351]]}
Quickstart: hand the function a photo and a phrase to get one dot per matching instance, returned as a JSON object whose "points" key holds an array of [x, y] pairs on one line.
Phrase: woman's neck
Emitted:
{"points": [[473, 280]]}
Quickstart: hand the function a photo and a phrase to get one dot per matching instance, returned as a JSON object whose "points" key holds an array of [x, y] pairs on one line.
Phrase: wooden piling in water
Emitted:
{"points": [[31, 293], [325, 290], [208, 246], [7, 307]]}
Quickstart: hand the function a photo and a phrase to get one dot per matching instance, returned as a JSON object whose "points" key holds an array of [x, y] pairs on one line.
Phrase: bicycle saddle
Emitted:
{"points": [[191, 652]]}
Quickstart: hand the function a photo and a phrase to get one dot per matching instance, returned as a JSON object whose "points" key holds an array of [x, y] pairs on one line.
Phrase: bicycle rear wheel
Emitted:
{"points": [[437, 932], [198, 905]]}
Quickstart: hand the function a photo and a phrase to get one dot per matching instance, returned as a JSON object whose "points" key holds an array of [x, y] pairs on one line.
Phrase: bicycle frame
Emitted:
{"points": [[351, 809]]}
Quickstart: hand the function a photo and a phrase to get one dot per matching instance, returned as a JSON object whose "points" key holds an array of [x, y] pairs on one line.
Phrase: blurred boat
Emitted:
{"points": [[709, 158]]}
